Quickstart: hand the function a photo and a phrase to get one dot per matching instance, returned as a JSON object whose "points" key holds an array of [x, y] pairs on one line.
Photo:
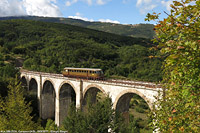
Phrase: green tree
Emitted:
{"points": [[96, 118], [14, 110], [51, 126], [178, 109]]}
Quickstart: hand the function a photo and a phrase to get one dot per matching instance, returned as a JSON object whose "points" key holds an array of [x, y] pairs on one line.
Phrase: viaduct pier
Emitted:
{"points": [[55, 92]]}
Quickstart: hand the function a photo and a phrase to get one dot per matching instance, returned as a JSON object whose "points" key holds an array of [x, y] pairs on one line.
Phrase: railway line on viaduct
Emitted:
{"points": [[55, 93]]}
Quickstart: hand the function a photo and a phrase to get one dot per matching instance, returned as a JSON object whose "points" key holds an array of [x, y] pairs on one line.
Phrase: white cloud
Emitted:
{"points": [[125, 1], [146, 5], [109, 21], [78, 16], [47, 8], [29, 7], [8, 8], [140, 2], [89, 2], [147, 8], [69, 3], [100, 2], [167, 4]]}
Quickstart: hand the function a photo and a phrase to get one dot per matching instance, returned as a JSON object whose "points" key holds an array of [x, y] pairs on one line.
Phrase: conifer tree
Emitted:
{"points": [[14, 110]]}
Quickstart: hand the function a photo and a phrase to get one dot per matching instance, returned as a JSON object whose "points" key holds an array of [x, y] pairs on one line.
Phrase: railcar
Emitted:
{"points": [[88, 73]]}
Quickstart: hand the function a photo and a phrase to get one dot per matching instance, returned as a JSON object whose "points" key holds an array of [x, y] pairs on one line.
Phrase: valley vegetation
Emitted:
{"points": [[49, 47]]}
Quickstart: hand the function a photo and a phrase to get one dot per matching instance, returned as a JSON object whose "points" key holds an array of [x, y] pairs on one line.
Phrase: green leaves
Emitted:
{"points": [[95, 117], [181, 69]]}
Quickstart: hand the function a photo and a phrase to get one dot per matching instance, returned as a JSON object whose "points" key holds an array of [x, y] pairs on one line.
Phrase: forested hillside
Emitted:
{"points": [[137, 30], [50, 47]]}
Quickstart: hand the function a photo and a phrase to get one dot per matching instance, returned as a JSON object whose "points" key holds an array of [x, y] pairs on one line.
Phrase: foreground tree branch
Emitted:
{"points": [[179, 38]]}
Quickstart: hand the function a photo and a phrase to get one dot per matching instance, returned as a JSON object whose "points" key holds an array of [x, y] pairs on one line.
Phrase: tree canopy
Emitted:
{"points": [[179, 39], [49, 47]]}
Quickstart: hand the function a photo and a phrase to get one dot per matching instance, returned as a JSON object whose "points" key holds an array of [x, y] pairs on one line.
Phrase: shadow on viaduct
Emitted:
{"points": [[56, 93]]}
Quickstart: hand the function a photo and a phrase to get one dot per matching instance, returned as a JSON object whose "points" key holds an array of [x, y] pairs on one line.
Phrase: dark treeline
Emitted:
{"points": [[50, 47]]}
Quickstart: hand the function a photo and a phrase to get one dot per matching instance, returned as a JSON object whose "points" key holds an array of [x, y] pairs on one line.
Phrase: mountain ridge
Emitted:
{"points": [[136, 30]]}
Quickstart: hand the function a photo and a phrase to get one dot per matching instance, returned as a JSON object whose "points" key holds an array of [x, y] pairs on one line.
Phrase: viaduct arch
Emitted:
{"points": [[125, 97], [67, 96], [48, 100], [56, 93]]}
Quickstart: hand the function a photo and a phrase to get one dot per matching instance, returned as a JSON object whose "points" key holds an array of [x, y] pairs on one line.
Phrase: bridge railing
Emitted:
{"points": [[135, 84], [117, 82]]}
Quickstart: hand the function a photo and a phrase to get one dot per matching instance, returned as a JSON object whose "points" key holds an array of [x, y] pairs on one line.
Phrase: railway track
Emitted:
{"points": [[112, 81]]}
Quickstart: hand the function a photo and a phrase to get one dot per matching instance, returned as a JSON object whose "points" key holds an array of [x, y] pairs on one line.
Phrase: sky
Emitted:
{"points": [[113, 11]]}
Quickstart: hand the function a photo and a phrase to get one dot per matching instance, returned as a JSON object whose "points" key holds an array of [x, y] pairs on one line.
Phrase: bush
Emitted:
{"points": [[140, 110]]}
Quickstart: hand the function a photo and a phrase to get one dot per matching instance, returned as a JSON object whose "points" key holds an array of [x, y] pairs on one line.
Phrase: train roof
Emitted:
{"points": [[89, 69]]}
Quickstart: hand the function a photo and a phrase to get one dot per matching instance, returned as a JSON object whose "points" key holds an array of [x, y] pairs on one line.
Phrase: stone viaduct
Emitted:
{"points": [[55, 93]]}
